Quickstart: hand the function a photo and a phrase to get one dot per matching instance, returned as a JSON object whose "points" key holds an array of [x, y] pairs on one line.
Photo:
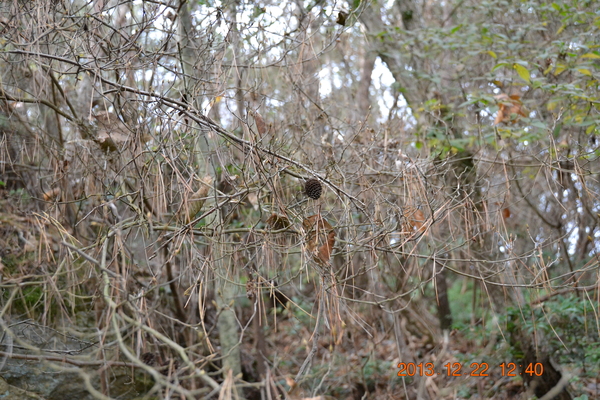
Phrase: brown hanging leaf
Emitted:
{"points": [[313, 224], [509, 108], [112, 134], [261, 127], [111, 141], [320, 238], [324, 253], [196, 200], [277, 222], [253, 199], [415, 219], [504, 210], [341, 18], [51, 195]]}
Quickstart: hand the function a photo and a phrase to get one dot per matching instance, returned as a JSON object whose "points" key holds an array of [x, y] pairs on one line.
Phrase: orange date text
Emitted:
{"points": [[474, 369]]}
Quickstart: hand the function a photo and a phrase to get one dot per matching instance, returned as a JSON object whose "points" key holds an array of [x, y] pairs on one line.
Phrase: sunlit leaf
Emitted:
{"points": [[585, 71], [523, 72], [591, 55], [559, 69]]}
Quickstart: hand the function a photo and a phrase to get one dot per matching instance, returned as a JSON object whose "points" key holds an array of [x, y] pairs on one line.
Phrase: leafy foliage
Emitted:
{"points": [[566, 325]]}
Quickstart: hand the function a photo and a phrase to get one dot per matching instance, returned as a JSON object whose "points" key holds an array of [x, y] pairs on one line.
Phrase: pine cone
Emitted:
{"points": [[148, 358], [313, 188]]}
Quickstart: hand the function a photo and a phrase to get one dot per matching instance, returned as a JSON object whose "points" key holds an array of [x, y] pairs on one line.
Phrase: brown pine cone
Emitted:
{"points": [[313, 188], [148, 359]]}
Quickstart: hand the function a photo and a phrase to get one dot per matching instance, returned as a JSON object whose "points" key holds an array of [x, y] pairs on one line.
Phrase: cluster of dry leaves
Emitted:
{"points": [[509, 108], [320, 238]]}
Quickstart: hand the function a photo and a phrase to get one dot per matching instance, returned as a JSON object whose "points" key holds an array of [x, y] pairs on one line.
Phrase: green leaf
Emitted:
{"points": [[456, 29], [523, 72], [539, 124], [557, 130], [499, 65], [585, 71], [459, 144], [491, 53]]}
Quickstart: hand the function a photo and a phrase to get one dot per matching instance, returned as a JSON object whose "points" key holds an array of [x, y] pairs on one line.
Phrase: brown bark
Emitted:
{"points": [[444, 313]]}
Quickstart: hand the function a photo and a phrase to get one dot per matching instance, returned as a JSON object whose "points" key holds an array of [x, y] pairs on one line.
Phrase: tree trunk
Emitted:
{"points": [[444, 313], [225, 290]]}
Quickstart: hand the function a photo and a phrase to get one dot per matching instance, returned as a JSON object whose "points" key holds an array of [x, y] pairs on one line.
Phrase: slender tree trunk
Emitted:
{"points": [[225, 290], [444, 313], [362, 95]]}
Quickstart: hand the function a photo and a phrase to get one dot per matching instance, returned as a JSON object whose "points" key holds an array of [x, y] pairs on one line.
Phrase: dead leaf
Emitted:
{"points": [[509, 108], [341, 18], [253, 199], [311, 225], [277, 222], [111, 141], [326, 249], [196, 200], [320, 238], [112, 133], [506, 213], [51, 195], [261, 127], [415, 219]]}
